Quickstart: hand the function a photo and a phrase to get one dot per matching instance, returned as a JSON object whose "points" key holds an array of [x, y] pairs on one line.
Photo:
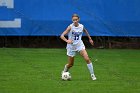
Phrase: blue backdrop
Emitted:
{"points": [[51, 17]]}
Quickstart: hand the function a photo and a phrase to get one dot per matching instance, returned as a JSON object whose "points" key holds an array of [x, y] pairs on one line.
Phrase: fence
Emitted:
{"points": [[56, 42]]}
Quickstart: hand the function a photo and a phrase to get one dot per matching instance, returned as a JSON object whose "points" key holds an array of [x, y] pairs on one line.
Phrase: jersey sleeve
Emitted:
{"points": [[70, 25], [82, 26]]}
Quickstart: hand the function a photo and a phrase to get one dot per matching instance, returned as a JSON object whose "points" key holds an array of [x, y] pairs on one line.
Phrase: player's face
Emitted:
{"points": [[75, 20]]}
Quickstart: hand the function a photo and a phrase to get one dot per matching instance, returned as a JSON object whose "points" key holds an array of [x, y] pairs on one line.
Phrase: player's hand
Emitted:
{"points": [[91, 42], [69, 41]]}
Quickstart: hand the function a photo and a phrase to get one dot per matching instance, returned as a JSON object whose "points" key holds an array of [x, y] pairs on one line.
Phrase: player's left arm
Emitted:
{"points": [[90, 39]]}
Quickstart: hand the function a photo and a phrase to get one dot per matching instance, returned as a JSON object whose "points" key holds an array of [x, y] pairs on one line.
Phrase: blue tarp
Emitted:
{"points": [[51, 17]]}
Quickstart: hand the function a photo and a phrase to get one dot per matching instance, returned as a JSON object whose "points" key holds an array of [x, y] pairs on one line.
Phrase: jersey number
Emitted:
{"points": [[76, 37]]}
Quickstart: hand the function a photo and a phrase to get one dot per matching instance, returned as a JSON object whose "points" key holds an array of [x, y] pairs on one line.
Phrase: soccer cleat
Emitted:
{"points": [[63, 72], [93, 77]]}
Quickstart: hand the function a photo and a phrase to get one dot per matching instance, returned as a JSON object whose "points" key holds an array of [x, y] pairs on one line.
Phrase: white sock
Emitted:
{"points": [[90, 67], [65, 68]]}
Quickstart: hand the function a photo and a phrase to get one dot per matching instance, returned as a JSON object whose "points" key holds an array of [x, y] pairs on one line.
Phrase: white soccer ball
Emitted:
{"points": [[66, 76]]}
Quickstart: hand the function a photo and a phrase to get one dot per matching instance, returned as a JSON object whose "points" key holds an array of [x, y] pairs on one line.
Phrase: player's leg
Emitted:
{"points": [[71, 55], [70, 64], [84, 54]]}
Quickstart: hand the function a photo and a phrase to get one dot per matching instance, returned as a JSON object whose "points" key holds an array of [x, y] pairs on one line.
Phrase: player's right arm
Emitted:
{"points": [[65, 33]]}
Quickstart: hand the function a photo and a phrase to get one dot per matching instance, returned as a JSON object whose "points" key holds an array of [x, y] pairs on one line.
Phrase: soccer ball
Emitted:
{"points": [[66, 76]]}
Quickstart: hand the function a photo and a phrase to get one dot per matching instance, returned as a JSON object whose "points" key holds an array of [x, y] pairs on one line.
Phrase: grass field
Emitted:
{"points": [[24, 70]]}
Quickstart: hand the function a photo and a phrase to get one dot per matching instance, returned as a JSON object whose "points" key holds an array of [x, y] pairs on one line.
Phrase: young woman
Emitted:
{"points": [[75, 44]]}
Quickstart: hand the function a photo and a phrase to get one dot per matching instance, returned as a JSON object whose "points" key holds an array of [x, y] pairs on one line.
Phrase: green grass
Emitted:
{"points": [[28, 70]]}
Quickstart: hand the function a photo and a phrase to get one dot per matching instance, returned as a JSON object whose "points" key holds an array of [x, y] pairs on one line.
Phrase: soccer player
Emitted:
{"points": [[75, 44]]}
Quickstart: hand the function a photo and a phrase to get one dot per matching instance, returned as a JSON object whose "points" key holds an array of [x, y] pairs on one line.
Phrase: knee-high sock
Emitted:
{"points": [[65, 68], [90, 67]]}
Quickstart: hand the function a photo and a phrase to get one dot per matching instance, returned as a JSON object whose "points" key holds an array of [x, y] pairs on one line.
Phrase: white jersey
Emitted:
{"points": [[75, 33]]}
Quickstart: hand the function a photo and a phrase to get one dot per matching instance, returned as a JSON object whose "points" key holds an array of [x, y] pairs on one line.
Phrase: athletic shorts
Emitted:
{"points": [[72, 49]]}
